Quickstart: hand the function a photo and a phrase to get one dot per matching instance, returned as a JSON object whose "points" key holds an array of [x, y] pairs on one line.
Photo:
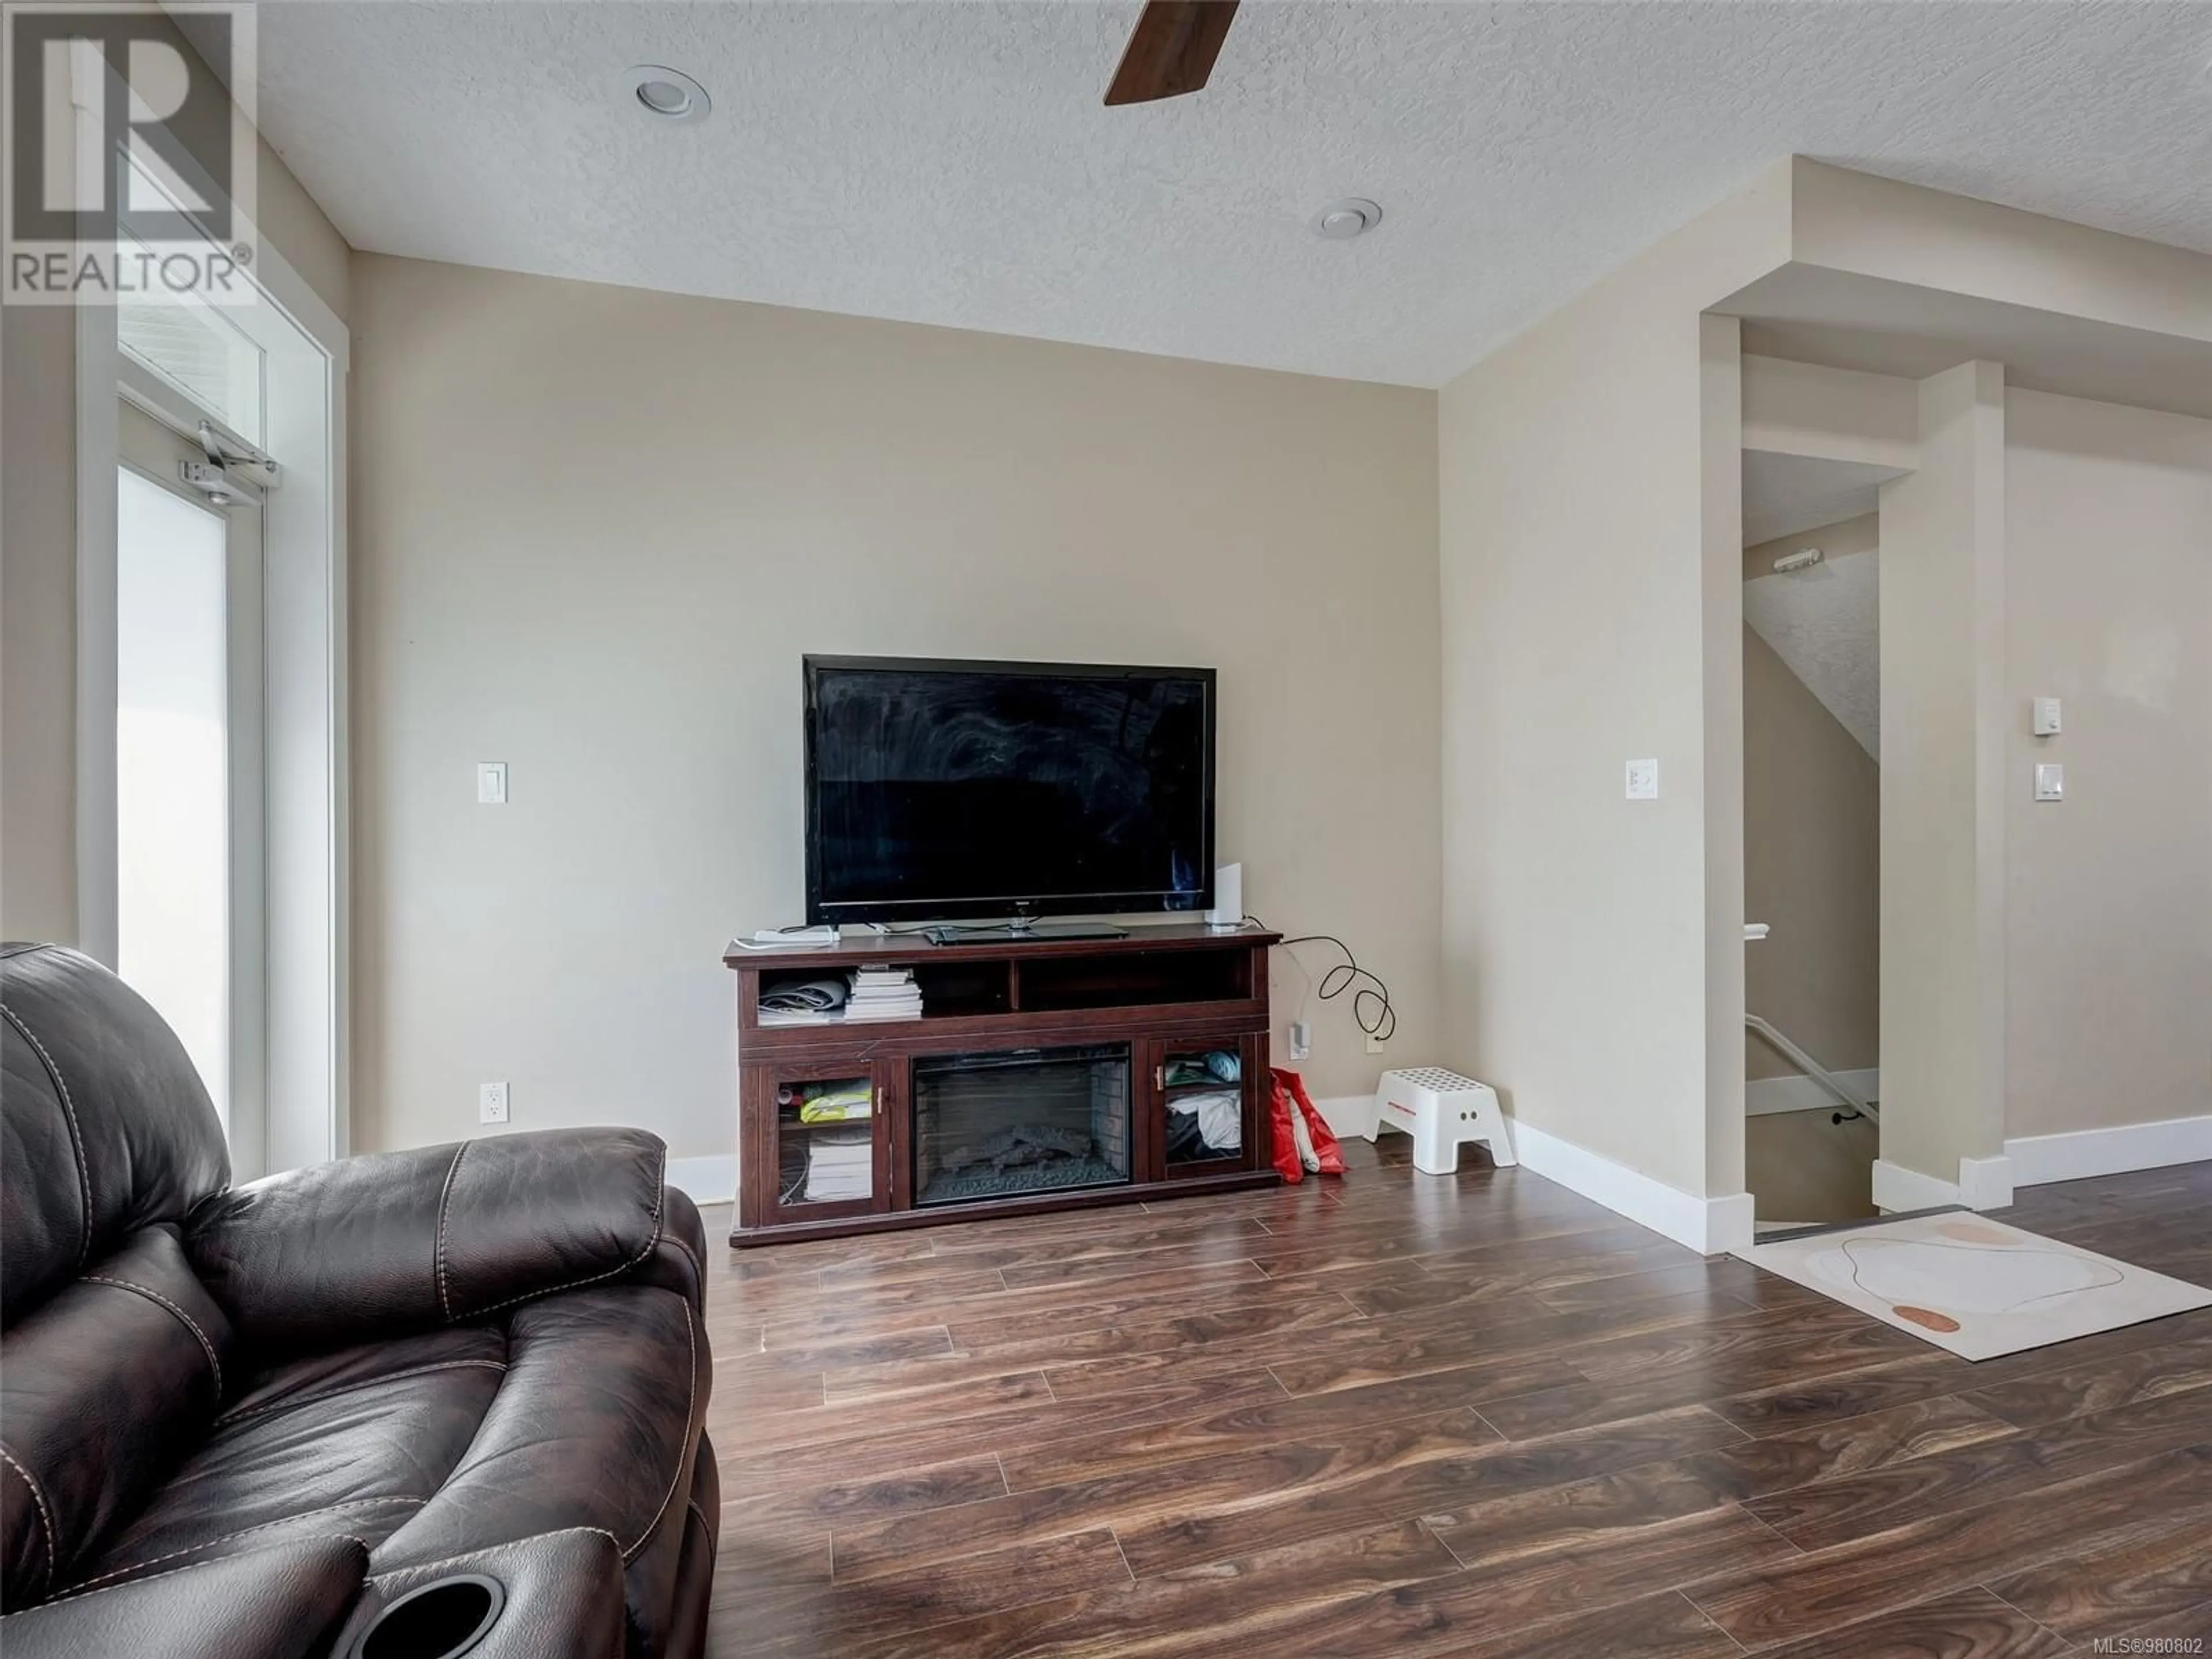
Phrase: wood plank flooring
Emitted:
{"points": [[1409, 1415]]}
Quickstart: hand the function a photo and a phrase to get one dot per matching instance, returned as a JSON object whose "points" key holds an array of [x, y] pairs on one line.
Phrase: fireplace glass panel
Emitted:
{"points": [[1039, 1120]]}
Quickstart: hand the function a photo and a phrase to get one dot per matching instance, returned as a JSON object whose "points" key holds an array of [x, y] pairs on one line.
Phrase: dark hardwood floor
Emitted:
{"points": [[1408, 1415]]}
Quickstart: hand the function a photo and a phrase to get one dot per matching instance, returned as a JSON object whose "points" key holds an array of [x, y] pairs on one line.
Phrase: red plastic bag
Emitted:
{"points": [[1287, 1095]]}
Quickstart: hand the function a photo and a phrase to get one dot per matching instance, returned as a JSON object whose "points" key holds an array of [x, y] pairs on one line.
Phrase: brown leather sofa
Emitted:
{"points": [[250, 1422]]}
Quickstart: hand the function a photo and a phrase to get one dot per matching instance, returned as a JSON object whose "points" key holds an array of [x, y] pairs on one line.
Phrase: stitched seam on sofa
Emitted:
{"points": [[190, 1324], [38, 1497], [71, 1595], [247, 1413], [684, 1456], [652, 1244], [381, 1579], [228, 1537], [77, 1136], [445, 1195]]}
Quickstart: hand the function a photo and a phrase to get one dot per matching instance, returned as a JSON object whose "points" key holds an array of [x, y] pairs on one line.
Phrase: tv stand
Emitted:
{"points": [[1020, 929], [1045, 1072]]}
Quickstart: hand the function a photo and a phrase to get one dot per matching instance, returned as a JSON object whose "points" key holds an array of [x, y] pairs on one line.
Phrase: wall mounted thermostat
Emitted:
{"points": [[2046, 717], [1643, 779]]}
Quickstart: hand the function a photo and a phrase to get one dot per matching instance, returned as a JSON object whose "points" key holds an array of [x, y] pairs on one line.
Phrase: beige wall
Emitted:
{"points": [[1812, 872], [1577, 525], [2108, 604], [1850, 222], [38, 564], [596, 528], [1832, 414]]}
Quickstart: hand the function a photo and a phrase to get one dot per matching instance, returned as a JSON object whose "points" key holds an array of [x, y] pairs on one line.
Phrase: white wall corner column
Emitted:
{"points": [[1944, 743], [1720, 416]]}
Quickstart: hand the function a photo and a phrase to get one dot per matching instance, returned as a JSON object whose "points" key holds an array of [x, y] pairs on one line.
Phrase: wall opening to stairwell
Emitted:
{"points": [[1812, 785]]}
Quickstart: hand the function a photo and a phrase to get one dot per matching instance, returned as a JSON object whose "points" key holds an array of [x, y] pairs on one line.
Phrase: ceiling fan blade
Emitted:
{"points": [[1171, 50]]}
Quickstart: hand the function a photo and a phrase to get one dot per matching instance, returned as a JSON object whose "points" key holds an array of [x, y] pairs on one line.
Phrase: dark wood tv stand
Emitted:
{"points": [[1125, 1021]]}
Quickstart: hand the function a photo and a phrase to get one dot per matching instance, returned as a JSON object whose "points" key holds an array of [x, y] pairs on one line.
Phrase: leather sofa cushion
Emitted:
{"points": [[273, 1604], [107, 1129], [345, 1450], [594, 1427], [396, 1241], [105, 1385], [288, 1381]]}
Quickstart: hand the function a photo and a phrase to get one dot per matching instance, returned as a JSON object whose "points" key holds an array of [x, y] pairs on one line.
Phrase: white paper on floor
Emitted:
{"points": [[1977, 1287]]}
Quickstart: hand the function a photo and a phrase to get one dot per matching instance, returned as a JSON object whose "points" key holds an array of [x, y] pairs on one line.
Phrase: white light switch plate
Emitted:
{"points": [[1643, 779], [491, 1102], [491, 783], [2050, 781]]}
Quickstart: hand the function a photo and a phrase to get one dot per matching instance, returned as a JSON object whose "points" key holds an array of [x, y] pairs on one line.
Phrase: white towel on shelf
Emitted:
{"points": [[1220, 1117]]}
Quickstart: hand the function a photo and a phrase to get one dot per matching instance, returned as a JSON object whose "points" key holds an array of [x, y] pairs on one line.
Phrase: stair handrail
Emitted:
{"points": [[1827, 1080]]}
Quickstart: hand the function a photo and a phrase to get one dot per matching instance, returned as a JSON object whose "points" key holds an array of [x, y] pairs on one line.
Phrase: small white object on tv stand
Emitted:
{"points": [[1227, 914]]}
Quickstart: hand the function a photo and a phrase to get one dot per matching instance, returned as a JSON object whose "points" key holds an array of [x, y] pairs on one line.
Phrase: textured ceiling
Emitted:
{"points": [[1825, 624], [951, 162], [1785, 494]]}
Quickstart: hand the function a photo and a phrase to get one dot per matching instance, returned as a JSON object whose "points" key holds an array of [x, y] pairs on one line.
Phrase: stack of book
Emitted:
{"points": [[841, 1163], [884, 993]]}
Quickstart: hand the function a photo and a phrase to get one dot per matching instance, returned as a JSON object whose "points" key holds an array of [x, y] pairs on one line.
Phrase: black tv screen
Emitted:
{"points": [[941, 789]]}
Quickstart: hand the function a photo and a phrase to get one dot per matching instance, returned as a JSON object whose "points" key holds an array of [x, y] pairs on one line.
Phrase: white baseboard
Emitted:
{"points": [[1983, 1184], [2039, 1159], [1766, 1094], [1707, 1225], [705, 1179], [1897, 1189], [1348, 1116]]}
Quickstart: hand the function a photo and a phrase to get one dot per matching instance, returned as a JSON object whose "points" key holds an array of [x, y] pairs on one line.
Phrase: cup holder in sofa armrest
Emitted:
{"points": [[444, 1618]]}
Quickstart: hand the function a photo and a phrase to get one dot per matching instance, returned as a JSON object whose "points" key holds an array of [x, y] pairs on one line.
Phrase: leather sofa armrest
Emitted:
{"points": [[276, 1603], [562, 1597], [346, 1251]]}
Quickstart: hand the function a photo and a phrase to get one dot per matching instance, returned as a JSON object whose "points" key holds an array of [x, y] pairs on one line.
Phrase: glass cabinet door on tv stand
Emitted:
{"points": [[827, 1137], [1207, 1090]]}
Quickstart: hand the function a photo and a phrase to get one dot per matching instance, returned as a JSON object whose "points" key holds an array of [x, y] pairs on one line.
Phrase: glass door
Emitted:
{"points": [[1207, 1093], [826, 1148], [188, 777]]}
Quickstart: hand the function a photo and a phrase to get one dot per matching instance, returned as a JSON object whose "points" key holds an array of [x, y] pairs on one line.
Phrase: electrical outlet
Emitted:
{"points": [[491, 1102], [1374, 1043], [1301, 1039]]}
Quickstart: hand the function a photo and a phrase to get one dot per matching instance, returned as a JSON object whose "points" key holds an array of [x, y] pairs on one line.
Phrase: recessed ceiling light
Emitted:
{"points": [[1340, 222], [668, 94]]}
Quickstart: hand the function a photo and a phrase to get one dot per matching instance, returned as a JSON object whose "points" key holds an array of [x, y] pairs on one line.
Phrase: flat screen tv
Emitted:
{"points": [[939, 789]]}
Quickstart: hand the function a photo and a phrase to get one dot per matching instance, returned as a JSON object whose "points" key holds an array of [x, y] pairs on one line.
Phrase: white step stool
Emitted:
{"points": [[1442, 1111]]}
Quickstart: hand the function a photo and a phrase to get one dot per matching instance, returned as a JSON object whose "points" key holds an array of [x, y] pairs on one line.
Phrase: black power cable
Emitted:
{"points": [[1370, 998]]}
